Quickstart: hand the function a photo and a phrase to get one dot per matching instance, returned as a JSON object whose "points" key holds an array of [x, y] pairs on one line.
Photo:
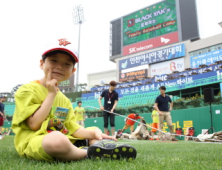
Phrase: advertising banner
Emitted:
{"points": [[151, 43], [133, 75], [150, 22], [183, 79], [153, 57], [207, 58], [167, 67]]}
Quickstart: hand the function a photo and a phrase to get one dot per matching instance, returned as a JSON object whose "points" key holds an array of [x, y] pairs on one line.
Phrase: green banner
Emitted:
{"points": [[156, 20]]}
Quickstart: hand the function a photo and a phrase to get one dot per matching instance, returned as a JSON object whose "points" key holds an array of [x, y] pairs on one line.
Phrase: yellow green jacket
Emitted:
{"points": [[28, 99]]}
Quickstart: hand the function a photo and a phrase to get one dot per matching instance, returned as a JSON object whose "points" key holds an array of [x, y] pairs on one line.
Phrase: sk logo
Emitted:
{"points": [[63, 42]]}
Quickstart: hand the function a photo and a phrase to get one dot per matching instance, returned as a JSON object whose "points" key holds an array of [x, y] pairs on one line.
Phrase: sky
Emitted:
{"points": [[26, 26]]}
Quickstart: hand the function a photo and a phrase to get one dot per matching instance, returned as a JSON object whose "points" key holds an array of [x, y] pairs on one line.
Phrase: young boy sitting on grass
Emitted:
{"points": [[44, 123]]}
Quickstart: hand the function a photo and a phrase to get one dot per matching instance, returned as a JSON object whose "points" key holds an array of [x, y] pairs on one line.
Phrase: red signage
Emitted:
{"points": [[133, 75], [151, 43]]}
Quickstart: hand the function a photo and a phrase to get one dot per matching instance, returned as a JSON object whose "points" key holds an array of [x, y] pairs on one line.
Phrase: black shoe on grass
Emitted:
{"points": [[111, 149]]}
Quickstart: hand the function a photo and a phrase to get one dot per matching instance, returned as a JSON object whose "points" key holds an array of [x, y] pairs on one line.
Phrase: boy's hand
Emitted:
{"points": [[100, 136], [51, 84]]}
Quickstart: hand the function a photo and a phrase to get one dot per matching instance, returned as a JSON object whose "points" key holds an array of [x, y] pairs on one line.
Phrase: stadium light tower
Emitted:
{"points": [[78, 18]]}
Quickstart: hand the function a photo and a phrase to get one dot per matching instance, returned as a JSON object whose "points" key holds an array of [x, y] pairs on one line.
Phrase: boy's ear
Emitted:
{"points": [[74, 69], [41, 64]]}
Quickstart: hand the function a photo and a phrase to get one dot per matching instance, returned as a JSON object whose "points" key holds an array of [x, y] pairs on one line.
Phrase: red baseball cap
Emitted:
{"points": [[61, 44]]}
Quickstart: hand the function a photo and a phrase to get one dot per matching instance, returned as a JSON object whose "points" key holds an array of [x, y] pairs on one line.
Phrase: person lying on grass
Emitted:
{"points": [[44, 124]]}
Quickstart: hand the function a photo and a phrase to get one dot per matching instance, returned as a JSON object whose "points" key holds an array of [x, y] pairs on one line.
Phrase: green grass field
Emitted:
{"points": [[151, 155]]}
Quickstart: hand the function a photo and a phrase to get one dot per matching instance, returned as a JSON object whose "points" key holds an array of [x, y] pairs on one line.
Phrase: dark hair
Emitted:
{"points": [[162, 88], [137, 114], [112, 83], [55, 52], [79, 102]]}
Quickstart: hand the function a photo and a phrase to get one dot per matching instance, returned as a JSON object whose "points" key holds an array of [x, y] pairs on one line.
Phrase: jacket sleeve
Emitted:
{"points": [[27, 102]]}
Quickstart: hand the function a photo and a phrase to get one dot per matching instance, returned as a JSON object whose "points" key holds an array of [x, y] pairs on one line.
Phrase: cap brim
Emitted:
{"points": [[63, 49]]}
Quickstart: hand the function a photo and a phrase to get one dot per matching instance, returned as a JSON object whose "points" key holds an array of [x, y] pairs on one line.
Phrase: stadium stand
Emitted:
{"points": [[148, 98], [137, 99]]}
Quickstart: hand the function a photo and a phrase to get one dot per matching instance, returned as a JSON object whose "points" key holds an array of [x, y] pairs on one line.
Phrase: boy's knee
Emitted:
{"points": [[56, 142]]}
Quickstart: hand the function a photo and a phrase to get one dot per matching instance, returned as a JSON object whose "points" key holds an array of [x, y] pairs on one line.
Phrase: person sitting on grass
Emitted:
{"points": [[44, 123], [155, 124], [130, 123]]}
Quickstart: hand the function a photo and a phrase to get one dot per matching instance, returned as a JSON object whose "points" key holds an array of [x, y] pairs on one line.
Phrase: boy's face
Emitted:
{"points": [[80, 104], [60, 64]]}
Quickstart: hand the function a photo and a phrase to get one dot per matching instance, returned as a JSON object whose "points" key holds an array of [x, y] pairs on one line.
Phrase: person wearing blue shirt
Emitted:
{"points": [[162, 106]]}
